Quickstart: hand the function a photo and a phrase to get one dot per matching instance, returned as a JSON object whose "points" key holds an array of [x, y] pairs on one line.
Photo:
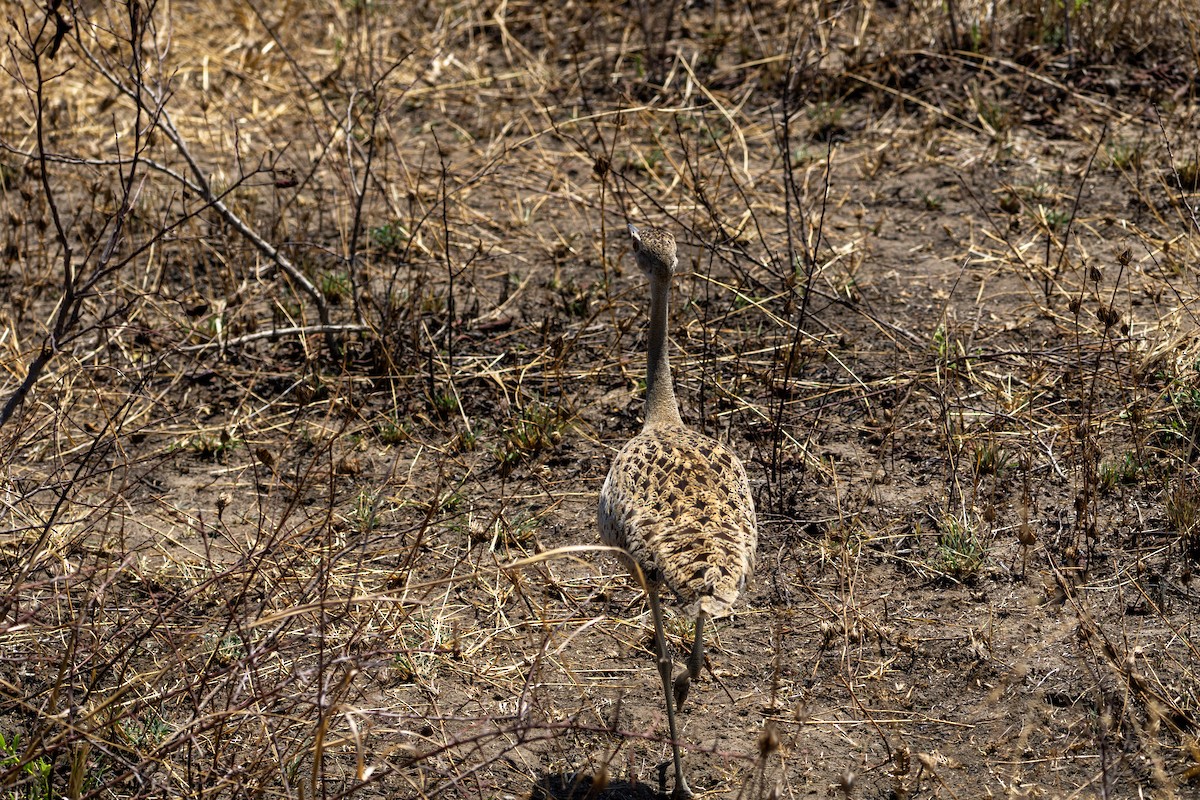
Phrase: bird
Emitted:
{"points": [[676, 504]]}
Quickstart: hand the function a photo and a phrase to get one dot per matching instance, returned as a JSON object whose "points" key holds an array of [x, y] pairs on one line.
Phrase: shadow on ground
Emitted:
{"points": [[581, 787]]}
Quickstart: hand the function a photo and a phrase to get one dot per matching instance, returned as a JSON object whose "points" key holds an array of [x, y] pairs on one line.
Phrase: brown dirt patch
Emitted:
{"points": [[302, 499]]}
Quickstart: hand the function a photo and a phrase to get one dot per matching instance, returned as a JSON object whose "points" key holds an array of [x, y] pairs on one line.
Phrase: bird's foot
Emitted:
{"points": [[682, 790]]}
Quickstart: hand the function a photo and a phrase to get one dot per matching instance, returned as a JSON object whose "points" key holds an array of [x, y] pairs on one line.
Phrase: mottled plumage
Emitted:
{"points": [[677, 503]]}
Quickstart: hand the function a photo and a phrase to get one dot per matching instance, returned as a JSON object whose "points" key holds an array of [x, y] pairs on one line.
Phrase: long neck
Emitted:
{"points": [[661, 408]]}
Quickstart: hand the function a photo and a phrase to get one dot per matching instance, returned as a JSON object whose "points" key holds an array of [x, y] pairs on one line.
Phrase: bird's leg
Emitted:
{"points": [[664, 671], [694, 663]]}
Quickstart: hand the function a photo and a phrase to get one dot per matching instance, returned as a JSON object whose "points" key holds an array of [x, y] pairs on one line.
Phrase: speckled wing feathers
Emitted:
{"points": [[680, 504]]}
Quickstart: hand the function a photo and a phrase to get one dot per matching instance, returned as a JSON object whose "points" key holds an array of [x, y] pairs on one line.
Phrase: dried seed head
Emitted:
{"points": [[847, 782], [900, 761], [768, 740], [600, 168]]}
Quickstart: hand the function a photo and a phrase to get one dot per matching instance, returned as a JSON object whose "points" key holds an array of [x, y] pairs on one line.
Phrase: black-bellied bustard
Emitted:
{"points": [[677, 502]]}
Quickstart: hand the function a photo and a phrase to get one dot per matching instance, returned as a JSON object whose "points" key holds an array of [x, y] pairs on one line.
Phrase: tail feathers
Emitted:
{"points": [[714, 606]]}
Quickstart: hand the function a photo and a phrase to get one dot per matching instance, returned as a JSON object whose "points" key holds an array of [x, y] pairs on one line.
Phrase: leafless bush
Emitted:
{"points": [[321, 329]]}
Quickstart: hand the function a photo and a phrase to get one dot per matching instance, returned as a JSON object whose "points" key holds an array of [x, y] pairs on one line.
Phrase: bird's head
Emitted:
{"points": [[654, 249]]}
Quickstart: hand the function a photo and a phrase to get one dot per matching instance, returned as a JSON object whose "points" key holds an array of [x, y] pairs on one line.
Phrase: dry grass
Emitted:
{"points": [[322, 330]]}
